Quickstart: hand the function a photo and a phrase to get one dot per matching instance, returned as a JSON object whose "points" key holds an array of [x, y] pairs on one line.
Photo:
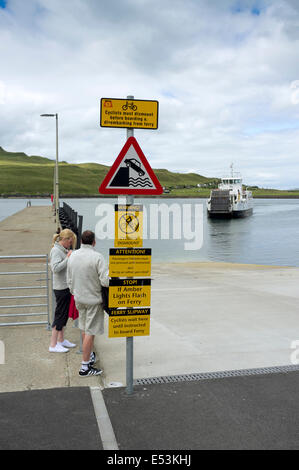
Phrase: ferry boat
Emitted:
{"points": [[231, 199]]}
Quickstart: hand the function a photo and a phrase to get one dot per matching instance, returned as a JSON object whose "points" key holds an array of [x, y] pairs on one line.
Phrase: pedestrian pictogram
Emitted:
{"points": [[131, 173]]}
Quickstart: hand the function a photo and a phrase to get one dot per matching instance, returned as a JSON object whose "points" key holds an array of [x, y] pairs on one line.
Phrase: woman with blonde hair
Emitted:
{"points": [[59, 255]]}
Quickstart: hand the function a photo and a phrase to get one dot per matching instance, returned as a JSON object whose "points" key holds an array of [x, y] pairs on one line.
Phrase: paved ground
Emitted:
{"points": [[29, 231], [253, 412], [245, 413], [205, 317], [57, 419], [212, 316]]}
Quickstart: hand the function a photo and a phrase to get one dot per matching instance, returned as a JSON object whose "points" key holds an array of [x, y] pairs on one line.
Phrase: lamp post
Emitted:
{"points": [[56, 192]]}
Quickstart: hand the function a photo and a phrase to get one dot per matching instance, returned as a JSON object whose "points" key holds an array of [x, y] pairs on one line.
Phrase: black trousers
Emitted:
{"points": [[63, 298]]}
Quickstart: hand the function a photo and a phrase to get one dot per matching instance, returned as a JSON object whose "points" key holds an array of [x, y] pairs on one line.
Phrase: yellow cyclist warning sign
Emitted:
{"points": [[129, 293], [129, 322], [130, 262], [138, 114], [128, 225]]}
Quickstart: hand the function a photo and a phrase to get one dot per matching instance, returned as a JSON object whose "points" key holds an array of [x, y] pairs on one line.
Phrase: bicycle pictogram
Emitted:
{"points": [[128, 105], [129, 223]]}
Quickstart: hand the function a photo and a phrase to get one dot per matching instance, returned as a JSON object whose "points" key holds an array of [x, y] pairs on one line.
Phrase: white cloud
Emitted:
{"points": [[224, 73]]}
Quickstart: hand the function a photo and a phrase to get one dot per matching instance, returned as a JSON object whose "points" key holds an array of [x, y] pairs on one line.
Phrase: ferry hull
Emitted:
{"points": [[231, 214], [244, 213]]}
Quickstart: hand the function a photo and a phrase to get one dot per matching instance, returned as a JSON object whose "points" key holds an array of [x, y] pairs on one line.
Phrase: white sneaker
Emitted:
{"points": [[58, 348], [67, 344]]}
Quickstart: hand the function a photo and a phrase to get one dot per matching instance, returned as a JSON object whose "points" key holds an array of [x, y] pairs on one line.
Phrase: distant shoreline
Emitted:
{"points": [[163, 196]]}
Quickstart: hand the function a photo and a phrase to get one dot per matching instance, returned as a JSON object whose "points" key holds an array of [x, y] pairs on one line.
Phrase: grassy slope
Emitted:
{"points": [[21, 174], [24, 175]]}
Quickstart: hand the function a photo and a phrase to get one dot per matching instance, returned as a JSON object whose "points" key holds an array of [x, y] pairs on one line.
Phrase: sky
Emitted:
{"points": [[225, 74]]}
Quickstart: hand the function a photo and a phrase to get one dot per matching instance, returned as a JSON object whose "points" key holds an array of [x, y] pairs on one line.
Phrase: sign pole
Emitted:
{"points": [[130, 175], [129, 339]]}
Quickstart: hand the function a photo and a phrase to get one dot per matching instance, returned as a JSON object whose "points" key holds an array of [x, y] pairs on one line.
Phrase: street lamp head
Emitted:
{"points": [[48, 115]]}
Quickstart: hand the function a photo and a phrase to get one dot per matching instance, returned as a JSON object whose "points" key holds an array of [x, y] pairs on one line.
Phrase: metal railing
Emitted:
{"points": [[8, 308], [70, 219]]}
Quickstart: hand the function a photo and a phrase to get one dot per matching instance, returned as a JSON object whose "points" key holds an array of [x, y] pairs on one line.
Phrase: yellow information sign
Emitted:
{"points": [[129, 322], [129, 293], [137, 114], [130, 262], [128, 225]]}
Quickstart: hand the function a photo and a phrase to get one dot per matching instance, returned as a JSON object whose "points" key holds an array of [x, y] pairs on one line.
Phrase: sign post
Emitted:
{"points": [[131, 174], [129, 339]]}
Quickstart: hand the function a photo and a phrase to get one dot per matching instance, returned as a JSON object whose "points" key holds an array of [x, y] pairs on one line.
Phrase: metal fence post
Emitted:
{"points": [[79, 230]]}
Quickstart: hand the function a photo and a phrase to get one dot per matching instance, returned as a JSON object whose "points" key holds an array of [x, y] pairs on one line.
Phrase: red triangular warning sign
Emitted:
{"points": [[131, 173]]}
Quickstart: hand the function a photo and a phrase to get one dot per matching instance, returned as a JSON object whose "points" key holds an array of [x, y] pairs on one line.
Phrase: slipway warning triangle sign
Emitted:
{"points": [[131, 173]]}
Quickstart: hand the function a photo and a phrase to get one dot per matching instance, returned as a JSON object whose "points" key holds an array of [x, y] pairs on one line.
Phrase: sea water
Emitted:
{"points": [[270, 236]]}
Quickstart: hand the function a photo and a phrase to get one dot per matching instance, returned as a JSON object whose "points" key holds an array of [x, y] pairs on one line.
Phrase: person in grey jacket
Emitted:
{"points": [[87, 272], [59, 257]]}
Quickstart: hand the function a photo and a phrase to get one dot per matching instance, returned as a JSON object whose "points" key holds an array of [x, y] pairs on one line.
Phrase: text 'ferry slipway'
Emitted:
{"points": [[231, 199]]}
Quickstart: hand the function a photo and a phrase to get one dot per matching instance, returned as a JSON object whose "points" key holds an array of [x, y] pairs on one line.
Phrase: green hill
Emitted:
{"points": [[21, 174]]}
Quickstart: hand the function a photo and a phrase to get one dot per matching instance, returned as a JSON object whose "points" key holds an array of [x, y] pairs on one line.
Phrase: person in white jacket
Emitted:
{"points": [[87, 272]]}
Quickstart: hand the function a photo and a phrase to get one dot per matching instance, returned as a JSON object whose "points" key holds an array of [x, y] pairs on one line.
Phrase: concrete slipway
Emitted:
{"points": [[205, 317], [212, 317]]}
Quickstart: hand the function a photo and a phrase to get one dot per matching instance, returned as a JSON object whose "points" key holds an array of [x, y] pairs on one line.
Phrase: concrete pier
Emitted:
{"points": [[205, 317], [30, 232]]}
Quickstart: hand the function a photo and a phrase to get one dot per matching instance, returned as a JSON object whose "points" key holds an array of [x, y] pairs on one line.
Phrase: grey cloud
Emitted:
{"points": [[222, 76]]}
